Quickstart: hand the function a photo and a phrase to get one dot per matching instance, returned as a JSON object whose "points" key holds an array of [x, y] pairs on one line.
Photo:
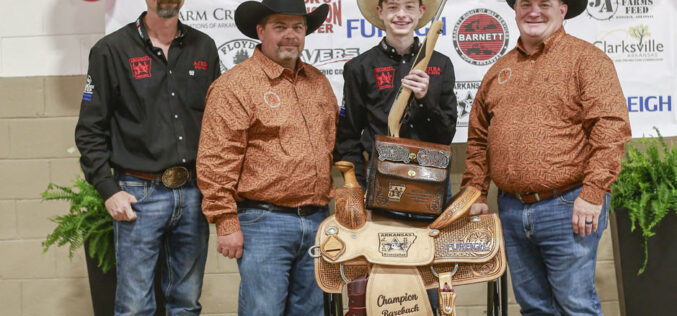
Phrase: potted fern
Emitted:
{"points": [[644, 227], [88, 224]]}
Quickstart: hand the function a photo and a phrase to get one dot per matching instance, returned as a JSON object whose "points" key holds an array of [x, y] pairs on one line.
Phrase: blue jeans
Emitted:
{"points": [[169, 221], [552, 269], [277, 274]]}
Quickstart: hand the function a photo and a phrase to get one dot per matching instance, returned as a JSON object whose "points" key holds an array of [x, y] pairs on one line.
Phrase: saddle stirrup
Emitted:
{"points": [[446, 293]]}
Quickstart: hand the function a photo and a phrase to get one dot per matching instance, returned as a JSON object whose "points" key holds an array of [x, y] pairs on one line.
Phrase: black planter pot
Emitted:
{"points": [[653, 292], [102, 287]]}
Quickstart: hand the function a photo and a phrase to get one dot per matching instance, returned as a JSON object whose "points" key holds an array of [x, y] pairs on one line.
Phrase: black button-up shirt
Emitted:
{"points": [[142, 110], [372, 81]]}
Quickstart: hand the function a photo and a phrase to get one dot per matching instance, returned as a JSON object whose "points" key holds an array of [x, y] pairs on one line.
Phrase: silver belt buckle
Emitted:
{"points": [[175, 177]]}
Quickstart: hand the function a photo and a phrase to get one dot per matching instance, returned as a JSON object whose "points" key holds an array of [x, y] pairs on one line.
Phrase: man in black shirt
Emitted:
{"points": [[373, 79], [138, 132]]}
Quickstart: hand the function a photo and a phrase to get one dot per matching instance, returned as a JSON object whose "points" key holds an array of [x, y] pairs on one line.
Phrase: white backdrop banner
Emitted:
{"points": [[639, 35]]}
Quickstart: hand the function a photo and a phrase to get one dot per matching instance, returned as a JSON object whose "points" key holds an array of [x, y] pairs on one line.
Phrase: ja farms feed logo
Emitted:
{"points": [[605, 10], [480, 37], [236, 51], [465, 95], [634, 44]]}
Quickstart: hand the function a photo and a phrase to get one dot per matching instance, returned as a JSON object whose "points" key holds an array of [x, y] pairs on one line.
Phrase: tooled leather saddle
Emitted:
{"points": [[398, 260]]}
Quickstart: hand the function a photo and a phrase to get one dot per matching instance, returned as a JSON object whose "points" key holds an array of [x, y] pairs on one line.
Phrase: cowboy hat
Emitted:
{"points": [[368, 9], [248, 14], [575, 7]]}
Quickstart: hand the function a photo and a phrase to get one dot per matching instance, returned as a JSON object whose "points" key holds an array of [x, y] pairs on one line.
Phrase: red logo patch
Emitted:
{"points": [[200, 64], [384, 77], [433, 70], [140, 67]]}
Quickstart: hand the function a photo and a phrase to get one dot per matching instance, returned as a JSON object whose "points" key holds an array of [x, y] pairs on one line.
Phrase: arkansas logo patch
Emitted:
{"points": [[384, 77], [140, 67]]}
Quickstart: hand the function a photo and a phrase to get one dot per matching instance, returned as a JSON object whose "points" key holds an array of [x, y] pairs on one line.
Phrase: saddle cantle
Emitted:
{"points": [[403, 258]]}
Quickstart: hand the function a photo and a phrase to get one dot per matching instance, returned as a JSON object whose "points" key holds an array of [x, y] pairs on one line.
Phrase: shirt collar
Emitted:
{"points": [[141, 29], [544, 47], [391, 52], [274, 70]]}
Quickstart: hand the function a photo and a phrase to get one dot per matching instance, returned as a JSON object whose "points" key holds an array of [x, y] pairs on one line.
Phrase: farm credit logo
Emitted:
{"points": [[480, 37]]}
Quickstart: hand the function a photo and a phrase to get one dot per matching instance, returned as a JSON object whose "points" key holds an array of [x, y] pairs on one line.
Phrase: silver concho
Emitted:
{"points": [[432, 158], [393, 152]]}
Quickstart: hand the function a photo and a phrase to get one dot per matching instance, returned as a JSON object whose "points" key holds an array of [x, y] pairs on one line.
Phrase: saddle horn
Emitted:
{"points": [[350, 210]]}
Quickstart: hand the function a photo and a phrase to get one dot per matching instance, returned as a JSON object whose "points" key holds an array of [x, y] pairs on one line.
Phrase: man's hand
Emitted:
{"points": [[231, 245], [586, 217], [119, 206], [479, 208], [417, 81]]}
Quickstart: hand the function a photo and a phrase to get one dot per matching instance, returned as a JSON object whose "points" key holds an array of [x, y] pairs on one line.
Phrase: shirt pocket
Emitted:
{"points": [[196, 90]]}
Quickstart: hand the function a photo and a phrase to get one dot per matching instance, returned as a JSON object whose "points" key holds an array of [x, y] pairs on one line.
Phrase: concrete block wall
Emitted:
{"points": [[44, 46], [37, 119]]}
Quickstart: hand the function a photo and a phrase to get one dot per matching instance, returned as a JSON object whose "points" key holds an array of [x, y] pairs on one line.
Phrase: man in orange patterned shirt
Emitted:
{"points": [[264, 160], [548, 126]]}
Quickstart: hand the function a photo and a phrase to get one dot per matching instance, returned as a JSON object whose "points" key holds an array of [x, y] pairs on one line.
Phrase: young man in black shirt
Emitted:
{"points": [[373, 79], [140, 116]]}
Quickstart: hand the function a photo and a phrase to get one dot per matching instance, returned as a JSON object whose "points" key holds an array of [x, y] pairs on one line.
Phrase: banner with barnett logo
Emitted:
{"points": [[638, 35]]}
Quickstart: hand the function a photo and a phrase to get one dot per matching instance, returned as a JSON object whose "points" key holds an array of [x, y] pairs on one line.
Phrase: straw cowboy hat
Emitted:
{"points": [[368, 9], [576, 7], [248, 14]]}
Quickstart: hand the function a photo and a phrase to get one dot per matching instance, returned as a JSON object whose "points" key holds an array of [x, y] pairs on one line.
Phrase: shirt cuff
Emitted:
{"points": [[592, 195], [227, 224], [107, 188]]}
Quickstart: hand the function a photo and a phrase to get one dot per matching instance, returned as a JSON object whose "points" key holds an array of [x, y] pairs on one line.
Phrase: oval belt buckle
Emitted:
{"points": [[175, 177]]}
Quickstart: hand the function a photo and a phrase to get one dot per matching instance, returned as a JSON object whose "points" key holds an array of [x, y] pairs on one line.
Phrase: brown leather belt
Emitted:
{"points": [[172, 177], [299, 210], [533, 197]]}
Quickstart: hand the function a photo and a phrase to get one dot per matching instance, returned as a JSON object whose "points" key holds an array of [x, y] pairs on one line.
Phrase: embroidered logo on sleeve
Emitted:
{"points": [[342, 108], [140, 67], [433, 70], [200, 64], [384, 77], [89, 90]]}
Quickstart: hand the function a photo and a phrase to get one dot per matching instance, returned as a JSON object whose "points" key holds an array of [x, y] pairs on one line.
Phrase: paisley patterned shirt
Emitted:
{"points": [[547, 120], [267, 135]]}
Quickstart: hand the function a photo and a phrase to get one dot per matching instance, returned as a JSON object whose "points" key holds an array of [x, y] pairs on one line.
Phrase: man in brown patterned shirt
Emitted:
{"points": [[548, 126], [264, 160]]}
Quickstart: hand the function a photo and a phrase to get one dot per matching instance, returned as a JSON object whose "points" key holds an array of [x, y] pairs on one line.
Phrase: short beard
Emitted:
{"points": [[168, 9]]}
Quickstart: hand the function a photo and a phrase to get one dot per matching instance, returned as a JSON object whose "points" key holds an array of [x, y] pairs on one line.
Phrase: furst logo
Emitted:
{"points": [[333, 18], [661, 103], [480, 37], [605, 10], [632, 45], [362, 28]]}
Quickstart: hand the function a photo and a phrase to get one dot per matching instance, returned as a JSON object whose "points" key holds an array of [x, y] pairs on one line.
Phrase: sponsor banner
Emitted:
{"points": [[638, 35]]}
